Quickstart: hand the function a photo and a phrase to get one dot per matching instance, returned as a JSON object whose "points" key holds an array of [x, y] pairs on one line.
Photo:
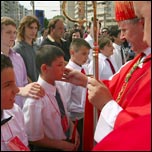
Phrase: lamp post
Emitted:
{"points": [[104, 13], [86, 11], [33, 7]]}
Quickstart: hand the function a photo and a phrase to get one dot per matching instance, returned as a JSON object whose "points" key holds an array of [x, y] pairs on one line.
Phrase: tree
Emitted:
{"points": [[46, 22]]}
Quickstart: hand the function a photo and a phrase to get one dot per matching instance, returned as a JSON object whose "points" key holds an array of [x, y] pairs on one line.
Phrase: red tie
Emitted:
{"points": [[111, 66], [82, 71]]}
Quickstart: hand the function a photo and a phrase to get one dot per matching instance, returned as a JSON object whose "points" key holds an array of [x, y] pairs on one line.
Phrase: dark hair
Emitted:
{"points": [[105, 29], [5, 62], [104, 41], [52, 24], [46, 54], [79, 42], [74, 31], [114, 31]]}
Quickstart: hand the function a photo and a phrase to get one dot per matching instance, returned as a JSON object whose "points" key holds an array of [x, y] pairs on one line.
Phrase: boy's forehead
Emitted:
{"points": [[7, 25], [7, 74], [83, 49]]}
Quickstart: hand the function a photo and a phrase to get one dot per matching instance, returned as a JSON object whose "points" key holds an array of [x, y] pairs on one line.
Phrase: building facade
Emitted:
{"points": [[74, 9]]}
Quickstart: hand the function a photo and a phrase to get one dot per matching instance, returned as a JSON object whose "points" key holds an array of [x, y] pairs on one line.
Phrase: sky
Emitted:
{"points": [[51, 8]]}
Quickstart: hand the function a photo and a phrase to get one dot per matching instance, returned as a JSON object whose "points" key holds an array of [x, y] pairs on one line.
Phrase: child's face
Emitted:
{"points": [[80, 57], [56, 70], [108, 49], [76, 35], [8, 88]]}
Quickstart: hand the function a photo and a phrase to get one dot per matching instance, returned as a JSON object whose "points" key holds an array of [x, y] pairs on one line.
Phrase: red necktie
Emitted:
{"points": [[82, 71], [111, 66]]}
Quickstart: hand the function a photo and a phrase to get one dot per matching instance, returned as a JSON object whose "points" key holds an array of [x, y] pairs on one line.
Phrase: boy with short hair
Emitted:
{"points": [[47, 124], [76, 95], [13, 135], [107, 65]]}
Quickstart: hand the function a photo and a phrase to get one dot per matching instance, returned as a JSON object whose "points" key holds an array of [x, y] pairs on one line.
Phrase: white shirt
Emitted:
{"points": [[105, 71], [20, 74], [14, 127], [39, 40], [108, 115], [117, 55], [75, 96], [42, 117]]}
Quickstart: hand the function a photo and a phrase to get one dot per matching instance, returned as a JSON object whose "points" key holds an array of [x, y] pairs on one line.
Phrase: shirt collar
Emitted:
{"points": [[116, 46], [147, 51], [74, 65], [49, 88], [51, 38], [5, 115], [103, 56]]}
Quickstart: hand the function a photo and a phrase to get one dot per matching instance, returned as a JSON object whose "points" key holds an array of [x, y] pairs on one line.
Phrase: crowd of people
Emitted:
{"points": [[46, 84]]}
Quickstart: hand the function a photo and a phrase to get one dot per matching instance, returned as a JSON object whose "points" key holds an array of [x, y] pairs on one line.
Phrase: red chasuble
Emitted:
{"points": [[133, 135], [136, 99], [88, 126]]}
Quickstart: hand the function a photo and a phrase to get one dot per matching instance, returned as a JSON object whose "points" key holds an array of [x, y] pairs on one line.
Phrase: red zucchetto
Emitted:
{"points": [[124, 10]]}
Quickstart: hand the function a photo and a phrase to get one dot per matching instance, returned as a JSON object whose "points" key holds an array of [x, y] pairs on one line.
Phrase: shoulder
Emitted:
{"points": [[15, 111], [34, 103], [46, 41], [16, 54], [18, 46]]}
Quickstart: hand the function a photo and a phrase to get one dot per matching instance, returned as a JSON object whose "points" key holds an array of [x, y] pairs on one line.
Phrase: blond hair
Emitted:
{"points": [[7, 21]]}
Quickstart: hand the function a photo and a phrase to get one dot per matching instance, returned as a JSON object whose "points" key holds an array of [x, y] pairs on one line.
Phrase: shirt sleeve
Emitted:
{"points": [[106, 120], [33, 119]]}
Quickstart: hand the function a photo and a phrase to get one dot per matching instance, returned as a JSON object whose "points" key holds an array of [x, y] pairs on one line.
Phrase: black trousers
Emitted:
{"points": [[36, 148]]}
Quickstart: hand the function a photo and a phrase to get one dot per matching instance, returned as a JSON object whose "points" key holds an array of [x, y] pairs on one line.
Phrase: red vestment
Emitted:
{"points": [[132, 128], [136, 103], [88, 126], [137, 94], [133, 135]]}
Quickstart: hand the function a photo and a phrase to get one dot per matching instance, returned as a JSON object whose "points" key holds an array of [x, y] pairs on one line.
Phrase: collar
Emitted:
{"points": [[52, 40], [147, 51], [103, 57], [49, 88], [5, 120], [5, 117], [74, 65], [116, 46], [11, 52]]}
